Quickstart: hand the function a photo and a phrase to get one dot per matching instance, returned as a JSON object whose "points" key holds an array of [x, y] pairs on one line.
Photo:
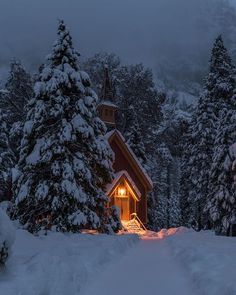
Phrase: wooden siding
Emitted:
{"points": [[122, 163], [107, 114]]}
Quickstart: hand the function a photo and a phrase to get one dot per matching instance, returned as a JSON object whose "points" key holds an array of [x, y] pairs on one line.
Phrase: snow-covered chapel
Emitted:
{"points": [[131, 184]]}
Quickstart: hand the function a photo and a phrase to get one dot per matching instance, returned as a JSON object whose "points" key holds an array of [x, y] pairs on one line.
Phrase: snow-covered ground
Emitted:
{"points": [[177, 261], [7, 236], [173, 262], [209, 261], [59, 264]]}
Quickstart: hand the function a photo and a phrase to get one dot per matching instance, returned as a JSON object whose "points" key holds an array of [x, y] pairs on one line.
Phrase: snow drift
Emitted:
{"points": [[58, 263], [7, 236]]}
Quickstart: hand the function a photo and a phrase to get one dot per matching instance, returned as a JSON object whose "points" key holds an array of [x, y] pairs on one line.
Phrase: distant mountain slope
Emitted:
{"points": [[184, 65]]}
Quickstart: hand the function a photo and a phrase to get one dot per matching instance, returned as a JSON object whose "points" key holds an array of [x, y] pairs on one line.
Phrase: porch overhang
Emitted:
{"points": [[124, 175]]}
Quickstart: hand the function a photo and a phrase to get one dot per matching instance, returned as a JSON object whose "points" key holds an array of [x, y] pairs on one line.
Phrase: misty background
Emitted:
{"points": [[173, 37]]}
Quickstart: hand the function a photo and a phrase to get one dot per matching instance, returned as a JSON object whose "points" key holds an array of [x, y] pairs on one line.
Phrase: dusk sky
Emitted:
{"points": [[136, 30]]}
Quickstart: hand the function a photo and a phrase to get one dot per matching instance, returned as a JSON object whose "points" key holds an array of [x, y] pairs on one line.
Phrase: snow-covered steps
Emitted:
{"points": [[132, 226]]}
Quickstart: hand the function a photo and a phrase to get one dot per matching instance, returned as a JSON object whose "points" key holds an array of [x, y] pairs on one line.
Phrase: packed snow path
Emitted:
{"points": [[149, 268]]}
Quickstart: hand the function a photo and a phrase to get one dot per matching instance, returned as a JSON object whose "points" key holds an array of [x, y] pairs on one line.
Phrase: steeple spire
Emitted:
{"points": [[107, 107], [107, 93]]}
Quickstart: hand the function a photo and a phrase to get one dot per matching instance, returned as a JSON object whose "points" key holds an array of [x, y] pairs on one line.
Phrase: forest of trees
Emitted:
{"points": [[189, 152]]}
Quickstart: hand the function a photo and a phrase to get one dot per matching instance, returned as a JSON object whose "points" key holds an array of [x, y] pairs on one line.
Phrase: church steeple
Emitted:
{"points": [[107, 93], [106, 107]]}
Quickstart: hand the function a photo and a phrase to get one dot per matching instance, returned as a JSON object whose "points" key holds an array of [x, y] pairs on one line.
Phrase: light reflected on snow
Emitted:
{"points": [[151, 235]]}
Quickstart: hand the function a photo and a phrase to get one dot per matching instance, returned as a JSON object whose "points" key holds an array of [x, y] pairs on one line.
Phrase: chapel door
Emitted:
{"points": [[123, 204]]}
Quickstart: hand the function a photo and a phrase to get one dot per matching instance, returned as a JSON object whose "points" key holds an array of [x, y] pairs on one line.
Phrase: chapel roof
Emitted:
{"points": [[131, 156], [118, 176]]}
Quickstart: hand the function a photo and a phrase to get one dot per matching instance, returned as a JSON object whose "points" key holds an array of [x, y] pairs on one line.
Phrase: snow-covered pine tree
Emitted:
{"points": [[13, 99], [133, 136], [221, 205], [6, 159], [17, 93], [19, 90], [136, 88], [200, 157], [220, 82], [166, 173], [217, 93], [185, 183], [95, 65], [65, 159], [174, 212], [159, 199]]}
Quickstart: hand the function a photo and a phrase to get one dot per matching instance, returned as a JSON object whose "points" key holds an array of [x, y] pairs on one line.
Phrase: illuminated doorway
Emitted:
{"points": [[123, 204], [124, 197], [124, 194]]}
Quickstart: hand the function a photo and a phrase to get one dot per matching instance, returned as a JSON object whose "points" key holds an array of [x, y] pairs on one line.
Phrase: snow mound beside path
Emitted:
{"points": [[7, 236], [59, 263]]}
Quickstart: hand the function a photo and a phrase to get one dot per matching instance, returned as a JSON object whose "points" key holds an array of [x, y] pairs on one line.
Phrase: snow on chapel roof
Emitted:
{"points": [[108, 103], [118, 176]]}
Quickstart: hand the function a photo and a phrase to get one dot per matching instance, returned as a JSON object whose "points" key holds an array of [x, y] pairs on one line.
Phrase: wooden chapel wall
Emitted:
{"points": [[120, 164]]}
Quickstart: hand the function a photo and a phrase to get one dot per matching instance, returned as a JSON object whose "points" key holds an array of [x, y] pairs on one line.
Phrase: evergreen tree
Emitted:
{"points": [[185, 183], [133, 136], [158, 209], [6, 159], [65, 160], [220, 81], [13, 99], [216, 95], [18, 91], [202, 132], [224, 107], [136, 89], [95, 65], [221, 205], [173, 181], [166, 173]]}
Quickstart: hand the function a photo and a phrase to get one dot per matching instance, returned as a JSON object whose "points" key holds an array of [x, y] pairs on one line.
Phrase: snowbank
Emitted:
{"points": [[209, 260], [7, 236], [59, 263]]}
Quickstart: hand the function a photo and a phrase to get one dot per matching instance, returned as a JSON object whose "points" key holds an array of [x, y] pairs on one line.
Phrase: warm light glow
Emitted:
{"points": [[121, 191]]}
